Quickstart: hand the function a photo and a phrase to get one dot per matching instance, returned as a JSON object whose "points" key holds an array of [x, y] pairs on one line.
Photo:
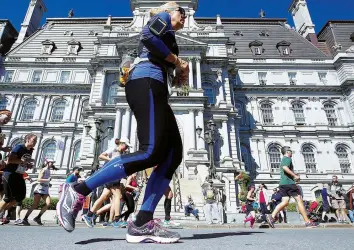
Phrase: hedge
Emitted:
{"points": [[28, 202]]}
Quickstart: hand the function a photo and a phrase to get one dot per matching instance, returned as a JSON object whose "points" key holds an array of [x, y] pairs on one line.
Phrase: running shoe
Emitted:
{"points": [[124, 224], [270, 220], [38, 220], [4, 221], [24, 222], [89, 220], [171, 223], [311, 224], [18, 221], [252, 223], [107, 224], [150, 232], [69, 205], [118, 224]]}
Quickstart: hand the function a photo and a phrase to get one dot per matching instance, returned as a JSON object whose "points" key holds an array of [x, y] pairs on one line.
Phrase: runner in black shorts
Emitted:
{"points": [[17, 164], [288, 189]]}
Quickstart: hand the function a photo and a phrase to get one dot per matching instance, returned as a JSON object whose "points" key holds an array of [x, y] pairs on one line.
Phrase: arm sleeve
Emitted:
{"points": [[153, 42]]}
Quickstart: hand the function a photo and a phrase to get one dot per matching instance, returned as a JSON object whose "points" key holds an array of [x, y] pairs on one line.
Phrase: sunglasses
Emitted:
{"points": [[182, 11]]}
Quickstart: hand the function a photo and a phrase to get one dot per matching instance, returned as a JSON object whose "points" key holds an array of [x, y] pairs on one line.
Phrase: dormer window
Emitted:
{"points": [[73, 47], [256, 48], [47, 47], [284, 48], [231, 48]]}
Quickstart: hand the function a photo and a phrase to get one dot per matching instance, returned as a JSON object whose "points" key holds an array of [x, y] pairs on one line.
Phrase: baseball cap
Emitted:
{"points": [[125, 141], [77, 168]]}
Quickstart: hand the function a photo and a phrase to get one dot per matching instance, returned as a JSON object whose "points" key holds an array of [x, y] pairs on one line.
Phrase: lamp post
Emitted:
{"points": [[98, 137], [209, 138]]}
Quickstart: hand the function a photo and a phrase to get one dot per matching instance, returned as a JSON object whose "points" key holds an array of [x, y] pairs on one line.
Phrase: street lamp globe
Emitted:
{"points": [[212, 125], [98, 122], [199, 130], [207, 136], [110, 130]]}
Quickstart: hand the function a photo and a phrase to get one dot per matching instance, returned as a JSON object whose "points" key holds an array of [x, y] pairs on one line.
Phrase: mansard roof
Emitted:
{"points": [[337, 31], [276, 30]]}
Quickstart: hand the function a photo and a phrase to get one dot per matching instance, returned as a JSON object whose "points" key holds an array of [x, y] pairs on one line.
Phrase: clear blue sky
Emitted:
{"points": [[321, 10]]}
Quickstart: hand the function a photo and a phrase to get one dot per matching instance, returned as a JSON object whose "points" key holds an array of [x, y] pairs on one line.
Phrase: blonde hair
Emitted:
{"points": [[169, 6]]}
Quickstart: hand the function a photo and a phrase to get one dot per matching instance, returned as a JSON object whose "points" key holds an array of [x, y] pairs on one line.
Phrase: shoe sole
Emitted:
{"points": [[150, 239], [269, 222], [59, 205]]}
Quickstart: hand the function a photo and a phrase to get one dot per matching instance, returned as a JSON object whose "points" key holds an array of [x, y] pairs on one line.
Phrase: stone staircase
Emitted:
{"points": [[188, 187]]}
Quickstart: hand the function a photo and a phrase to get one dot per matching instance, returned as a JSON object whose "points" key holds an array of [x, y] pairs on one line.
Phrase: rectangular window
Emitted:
{"points": [[323, 77], [286, 51], [292, 77], [65, 77], [37, 75], [9, 76], [209, 92], [262, 78]]}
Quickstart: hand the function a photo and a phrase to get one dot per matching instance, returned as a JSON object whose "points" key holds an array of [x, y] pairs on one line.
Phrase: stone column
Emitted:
{"points": [[225, 149], [13, 100], [227, 90], [191, 140], [103, 81], [200, 123], [233, 139], [63, 151], [73, 100], [117, 127], [49, 107], [199, 76], [191, 84], [44, 99], [18, 107], [126, 124], [133, 134]]}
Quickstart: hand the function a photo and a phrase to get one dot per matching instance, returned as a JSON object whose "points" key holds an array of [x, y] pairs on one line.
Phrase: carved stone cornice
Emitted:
{"points": [[42, 86], [299, 88]]}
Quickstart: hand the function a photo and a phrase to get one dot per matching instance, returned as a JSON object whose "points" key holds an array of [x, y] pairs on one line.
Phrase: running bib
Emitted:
{"points": [[20, 170]]}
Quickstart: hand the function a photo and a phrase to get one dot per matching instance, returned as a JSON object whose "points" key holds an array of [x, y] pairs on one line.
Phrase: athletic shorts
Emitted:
{"points": [[338, 204], [14, 187], [289, 190]]}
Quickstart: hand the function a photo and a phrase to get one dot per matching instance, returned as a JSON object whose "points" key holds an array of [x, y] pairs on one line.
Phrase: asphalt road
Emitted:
{"points": [[51, 238]]}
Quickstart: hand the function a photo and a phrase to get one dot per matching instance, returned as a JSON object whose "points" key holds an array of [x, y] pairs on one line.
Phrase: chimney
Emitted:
{"points": [[302, 20]]}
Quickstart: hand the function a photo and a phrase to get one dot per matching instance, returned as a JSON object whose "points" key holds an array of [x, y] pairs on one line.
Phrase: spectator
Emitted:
{"points": [[210, 194], [263, 200], [275, 201], [325, 202], [190, 208], [74, 176], [336, 192]]}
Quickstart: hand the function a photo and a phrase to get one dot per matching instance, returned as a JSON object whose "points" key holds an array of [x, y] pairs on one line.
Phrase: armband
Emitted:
{"points": [[158, 26]]}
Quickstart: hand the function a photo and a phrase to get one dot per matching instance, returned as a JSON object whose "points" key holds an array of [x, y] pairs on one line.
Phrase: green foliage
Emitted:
{"points": [[291, 207], [243, 179], [28, 202]]}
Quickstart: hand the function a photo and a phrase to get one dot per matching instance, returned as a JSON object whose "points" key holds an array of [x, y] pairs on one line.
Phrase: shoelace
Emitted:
{"points": [[78, 204]]}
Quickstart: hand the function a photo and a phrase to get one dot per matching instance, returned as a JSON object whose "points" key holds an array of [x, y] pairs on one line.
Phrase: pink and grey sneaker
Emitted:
{"points": [[311, 224], [150, 232], [69, 205], [270, 220]]}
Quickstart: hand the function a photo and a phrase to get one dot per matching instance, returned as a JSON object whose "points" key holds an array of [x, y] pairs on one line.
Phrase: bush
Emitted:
{"points": [[291, 207], [28, 202]]}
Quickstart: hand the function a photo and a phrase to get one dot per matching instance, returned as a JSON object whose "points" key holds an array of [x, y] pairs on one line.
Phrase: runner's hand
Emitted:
{"points": [[296, 178], [6, 149]]}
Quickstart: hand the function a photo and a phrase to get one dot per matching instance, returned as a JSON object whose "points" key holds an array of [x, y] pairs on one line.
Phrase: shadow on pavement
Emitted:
{"points": [[217, 235], [85, 242]]}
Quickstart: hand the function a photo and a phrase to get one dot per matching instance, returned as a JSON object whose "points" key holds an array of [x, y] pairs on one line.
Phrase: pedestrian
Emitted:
{"points": [[74, 176], [336, 193], [351, 203], [41, 191], [288, 189], [190, 208], [19, 204], [250, 206], [262, 198], [113, 188], [147, 93], [5, 117], [326, 208], [211, 209], [19, 160]]}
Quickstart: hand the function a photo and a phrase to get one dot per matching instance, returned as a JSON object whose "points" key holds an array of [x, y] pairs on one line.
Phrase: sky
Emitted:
{"points": [[321, 10]]}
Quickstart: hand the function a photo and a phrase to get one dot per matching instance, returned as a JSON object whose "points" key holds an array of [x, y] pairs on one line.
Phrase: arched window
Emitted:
{"points": [[49, 150], [76, 153], [210, 93], [58, 111], [309, 158], [84, 105], [331, 114], [298, 110], [246, 157], [343, 158], [28, 110], [241, 111], [267, 113], [112, 92], [3, 102], [274, 157]]}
